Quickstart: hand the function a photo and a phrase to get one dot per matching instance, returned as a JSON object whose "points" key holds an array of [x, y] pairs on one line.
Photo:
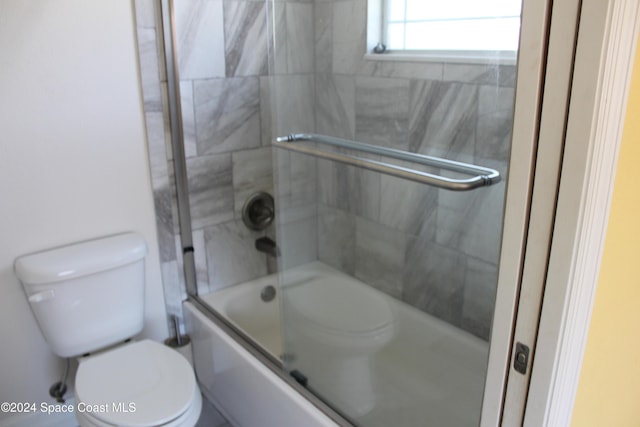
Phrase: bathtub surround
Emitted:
{"points": [[434, 249], [429, 237], [235, 101], [227, 114], [199, 39], [225, 100]]}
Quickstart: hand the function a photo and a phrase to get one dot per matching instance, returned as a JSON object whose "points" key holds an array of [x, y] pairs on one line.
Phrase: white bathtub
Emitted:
{"points": [[242, 305], [247, 392], [431, 373]]}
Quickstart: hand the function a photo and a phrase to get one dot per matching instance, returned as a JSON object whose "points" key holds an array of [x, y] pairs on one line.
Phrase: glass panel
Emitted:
{"points": [[387, 286], [488, 34], [439, 25], [395, 36], [457, 9], [224, 85], [396, 10]]}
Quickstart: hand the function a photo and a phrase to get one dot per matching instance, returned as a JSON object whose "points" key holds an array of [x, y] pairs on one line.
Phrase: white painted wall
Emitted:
{"points": [[73, 160]]}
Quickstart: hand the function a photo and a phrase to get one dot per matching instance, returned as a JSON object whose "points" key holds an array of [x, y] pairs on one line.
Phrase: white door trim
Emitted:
{"points": [[604, 61]]}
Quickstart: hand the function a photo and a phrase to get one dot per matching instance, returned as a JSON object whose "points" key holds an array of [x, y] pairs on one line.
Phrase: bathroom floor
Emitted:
{"points": [[211, 417]]}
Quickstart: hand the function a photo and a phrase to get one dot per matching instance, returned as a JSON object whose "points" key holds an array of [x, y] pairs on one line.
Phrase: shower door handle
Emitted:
{"points": [[480, 176]]}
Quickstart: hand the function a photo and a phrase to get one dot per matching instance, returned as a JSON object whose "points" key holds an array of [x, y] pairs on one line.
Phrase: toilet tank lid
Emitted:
{"points": [[80, 259]]}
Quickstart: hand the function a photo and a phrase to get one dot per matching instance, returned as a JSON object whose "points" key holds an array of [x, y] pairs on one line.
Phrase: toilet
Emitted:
{"points": [[336, 325], [337, 312], [88, 299]]}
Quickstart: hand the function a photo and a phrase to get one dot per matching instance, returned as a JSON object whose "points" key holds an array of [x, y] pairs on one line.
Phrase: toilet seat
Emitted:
{"points": [[340, 312], [158, 381]]}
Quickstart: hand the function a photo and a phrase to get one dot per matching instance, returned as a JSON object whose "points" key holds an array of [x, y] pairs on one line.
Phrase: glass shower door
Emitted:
{"points": [[381, 316], [390, 185]]}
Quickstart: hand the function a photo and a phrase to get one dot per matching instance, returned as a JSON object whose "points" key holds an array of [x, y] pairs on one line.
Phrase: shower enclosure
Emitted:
{"points": [[390, 192], [387, 173]]}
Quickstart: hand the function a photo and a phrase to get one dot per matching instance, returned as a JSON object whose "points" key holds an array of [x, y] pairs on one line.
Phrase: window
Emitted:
{"points": [[475, 27]]}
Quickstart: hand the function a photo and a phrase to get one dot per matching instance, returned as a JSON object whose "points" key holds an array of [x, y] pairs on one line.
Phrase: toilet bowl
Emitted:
{"points": [[335, 326], [338, 312], [88, 298], [141, 383]]}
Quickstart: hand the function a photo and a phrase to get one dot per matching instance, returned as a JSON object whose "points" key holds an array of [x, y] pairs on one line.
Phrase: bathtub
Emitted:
{"points": [[243, 306], [437, 370], [245, 390]]}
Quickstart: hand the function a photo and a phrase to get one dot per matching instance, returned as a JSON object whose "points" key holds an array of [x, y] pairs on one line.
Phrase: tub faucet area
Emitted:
{"points": [[268, 246]]}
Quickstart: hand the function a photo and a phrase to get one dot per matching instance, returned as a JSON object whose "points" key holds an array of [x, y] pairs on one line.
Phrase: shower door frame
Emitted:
{"points": [[582, 111], [601, 78]]}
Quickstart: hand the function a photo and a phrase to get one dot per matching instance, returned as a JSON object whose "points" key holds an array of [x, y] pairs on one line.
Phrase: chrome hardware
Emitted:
{"points": [[268, 246], [57, 390], [481, 176], [521, 358], [268, 293], [258, 211]]}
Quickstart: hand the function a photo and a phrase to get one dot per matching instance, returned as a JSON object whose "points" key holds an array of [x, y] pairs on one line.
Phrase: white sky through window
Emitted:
{"points": [[468, 25]]}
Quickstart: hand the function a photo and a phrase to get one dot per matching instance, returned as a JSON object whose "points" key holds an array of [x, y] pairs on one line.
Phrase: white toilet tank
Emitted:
{"points": [[88, 295]]}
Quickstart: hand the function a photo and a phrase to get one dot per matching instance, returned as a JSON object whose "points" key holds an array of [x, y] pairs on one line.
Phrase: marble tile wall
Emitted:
{"points": [[229, 118], [233, 100], [434, 249]]}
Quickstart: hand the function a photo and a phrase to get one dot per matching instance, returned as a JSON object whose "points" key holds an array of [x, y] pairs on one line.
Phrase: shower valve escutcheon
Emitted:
{"points": [[258, 212]]}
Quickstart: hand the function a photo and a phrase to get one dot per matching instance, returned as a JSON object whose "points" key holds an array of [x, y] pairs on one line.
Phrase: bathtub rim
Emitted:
{"points": [[266, 358]]}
